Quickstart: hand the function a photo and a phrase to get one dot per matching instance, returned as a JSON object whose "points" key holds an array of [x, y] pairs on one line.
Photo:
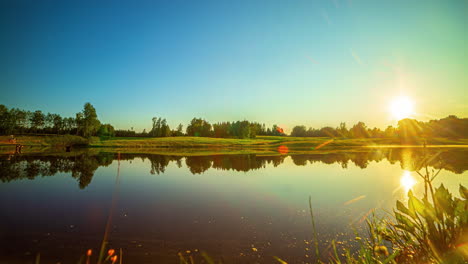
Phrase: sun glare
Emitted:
{"points": [[401, 107], [407, 181]]}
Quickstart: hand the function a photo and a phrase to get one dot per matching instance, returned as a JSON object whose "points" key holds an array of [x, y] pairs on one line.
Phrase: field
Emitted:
{"points": [[203, 145]]}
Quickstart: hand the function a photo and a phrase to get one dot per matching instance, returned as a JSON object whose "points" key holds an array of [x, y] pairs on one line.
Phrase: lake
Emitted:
{"points": [[236, 208]]}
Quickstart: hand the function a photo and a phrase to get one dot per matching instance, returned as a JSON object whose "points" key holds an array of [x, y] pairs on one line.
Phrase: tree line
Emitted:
{"points": [[84, 123], [449, 127], [87, 124]]}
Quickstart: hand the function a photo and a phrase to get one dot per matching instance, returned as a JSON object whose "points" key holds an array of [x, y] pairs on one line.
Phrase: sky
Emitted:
{"points": [[313, 63]]}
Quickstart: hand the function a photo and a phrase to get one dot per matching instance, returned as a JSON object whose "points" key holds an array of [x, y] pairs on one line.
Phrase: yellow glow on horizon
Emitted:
{"points": [[401, 107], [407, 181]]}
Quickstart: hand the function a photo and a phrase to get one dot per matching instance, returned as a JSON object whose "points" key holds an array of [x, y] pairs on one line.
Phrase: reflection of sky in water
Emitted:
{"points": [[223, 212]]}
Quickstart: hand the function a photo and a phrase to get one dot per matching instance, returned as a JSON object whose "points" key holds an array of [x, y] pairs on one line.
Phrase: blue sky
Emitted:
{"points": [[309, 62]]}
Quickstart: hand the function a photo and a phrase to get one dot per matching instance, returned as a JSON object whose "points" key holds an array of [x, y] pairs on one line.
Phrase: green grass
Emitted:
{"points": [[262, 143], [206, 146], [44, 140]]}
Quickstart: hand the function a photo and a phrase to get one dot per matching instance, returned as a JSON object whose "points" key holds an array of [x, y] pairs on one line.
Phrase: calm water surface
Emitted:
{"points": [[238, 208]]}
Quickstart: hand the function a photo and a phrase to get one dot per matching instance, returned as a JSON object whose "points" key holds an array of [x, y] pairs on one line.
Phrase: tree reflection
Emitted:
{"points": [[82, 166]]}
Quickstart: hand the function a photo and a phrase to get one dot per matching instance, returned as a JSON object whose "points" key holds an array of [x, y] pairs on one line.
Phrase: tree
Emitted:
{"points": [[342, 130], [37, 120], [409, 130], [48, 122], [299, 131], [69, 124], [90, 120], [89, 124], [359, 130], [328, 132], [156, 130], [180, 130], [199, 128], [389, 132], [79, 123], [160, 128], [165, 129], [5, 118], [106, 131], [277, 131], [57, 123]]}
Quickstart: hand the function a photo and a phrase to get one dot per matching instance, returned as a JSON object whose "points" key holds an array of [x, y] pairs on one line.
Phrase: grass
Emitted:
{"points": [[199, 146], [260, 144], [44, 140], [303, 143]]}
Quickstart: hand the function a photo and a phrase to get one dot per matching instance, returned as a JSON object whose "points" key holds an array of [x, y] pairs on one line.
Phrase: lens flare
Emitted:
{"points": [[283, 149]]}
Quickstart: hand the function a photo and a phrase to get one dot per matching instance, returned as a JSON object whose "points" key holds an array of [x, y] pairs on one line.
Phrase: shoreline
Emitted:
{"points": [[263, 145]]}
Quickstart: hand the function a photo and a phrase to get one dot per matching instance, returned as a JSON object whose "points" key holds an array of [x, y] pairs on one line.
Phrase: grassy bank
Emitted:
{"points": [[261, 144], [44, 140], [265, 142]]}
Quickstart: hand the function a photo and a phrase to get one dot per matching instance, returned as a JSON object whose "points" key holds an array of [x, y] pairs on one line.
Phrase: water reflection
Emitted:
{"points": [[241, 202], [407, 181], [83, 165]]}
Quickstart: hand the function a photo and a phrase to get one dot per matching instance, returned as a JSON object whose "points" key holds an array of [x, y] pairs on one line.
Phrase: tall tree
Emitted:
{"points": [[359, 130], [90, 122], [37, 120], [180, 130], [299, 131], [199, 128], [106, 131]]}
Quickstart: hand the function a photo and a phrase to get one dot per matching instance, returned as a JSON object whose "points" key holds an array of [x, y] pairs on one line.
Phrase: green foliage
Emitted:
{"points": [[89, 123], [106, 131], [430, 228], [86, 123], [160, 128], [359, 130], [37, 120], [179, 131], [199, 128], [299, 131], [410, 130]]}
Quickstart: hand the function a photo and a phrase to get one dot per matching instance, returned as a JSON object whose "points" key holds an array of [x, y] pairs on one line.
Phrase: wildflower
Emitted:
{"points": [[110, 252], [114, 259], [89, 252]]}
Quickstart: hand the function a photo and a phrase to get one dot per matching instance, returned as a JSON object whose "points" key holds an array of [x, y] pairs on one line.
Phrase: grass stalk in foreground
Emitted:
{"points": [[314, 231]]}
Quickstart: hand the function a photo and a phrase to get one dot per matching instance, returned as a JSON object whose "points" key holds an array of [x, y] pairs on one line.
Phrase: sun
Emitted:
{"points": [[401, 107]]}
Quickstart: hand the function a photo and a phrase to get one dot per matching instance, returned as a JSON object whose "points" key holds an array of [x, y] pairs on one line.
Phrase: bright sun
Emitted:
{"points": [[401, 107]]}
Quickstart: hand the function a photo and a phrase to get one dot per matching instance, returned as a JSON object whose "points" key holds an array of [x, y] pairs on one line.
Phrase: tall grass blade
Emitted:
{"points": [[207, 258], [316, 244], [280, 260]]}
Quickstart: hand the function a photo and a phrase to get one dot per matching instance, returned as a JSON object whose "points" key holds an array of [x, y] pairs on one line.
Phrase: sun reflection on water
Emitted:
{"points": [[407, 181]]}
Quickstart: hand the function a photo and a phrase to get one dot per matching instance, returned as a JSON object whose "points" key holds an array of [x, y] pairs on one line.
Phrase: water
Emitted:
{"points": [[237, 208]]}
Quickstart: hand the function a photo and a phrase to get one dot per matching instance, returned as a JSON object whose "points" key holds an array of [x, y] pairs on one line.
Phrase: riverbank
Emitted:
{"points": [[266, 144]]}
